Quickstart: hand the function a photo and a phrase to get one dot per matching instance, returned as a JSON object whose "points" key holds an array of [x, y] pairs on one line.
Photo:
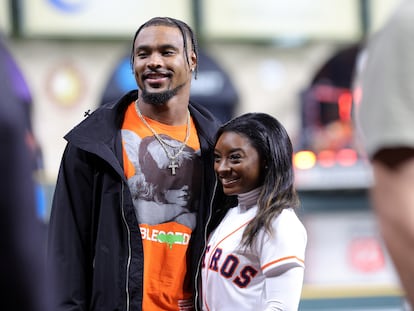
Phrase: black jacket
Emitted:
{"points": [[95, 246]]}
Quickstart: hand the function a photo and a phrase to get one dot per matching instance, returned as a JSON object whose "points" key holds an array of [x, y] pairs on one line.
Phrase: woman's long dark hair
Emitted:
{"points": [[271, 140]]}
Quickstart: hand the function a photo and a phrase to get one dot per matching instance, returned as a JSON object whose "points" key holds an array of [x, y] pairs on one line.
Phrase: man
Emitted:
{"points": [[386, 117], [126, 227], [21, 238]]}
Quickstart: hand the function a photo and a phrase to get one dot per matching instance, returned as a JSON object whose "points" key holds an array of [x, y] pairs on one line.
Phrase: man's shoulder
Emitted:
{"points": [[207, 124], [202, 114], [104, 120]]}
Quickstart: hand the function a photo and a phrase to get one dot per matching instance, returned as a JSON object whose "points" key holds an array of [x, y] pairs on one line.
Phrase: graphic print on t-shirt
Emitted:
{"points": [[165, 205], [158, 195]]}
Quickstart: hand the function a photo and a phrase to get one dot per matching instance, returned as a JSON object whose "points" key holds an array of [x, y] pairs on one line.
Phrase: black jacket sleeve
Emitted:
{"points": [[70, 254]]}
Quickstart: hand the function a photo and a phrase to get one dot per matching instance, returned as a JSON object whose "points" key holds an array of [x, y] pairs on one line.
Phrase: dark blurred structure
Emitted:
{"points": [[339, 69], [213, 88], [327, 155], [328, 100], [22, 238]]}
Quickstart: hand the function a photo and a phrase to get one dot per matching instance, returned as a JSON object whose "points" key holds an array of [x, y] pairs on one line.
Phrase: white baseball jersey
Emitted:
{"points": [[233, 278]]}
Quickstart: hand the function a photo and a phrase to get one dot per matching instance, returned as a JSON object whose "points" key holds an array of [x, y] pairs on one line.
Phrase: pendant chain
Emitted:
{"points": [[172, 157]]}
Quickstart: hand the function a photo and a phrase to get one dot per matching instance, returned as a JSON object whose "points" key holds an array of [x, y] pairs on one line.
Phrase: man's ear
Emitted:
{"points": [[193, 61]]}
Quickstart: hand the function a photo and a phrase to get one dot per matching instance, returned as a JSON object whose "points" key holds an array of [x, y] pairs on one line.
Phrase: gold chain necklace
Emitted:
{"points": [[172, 157]]}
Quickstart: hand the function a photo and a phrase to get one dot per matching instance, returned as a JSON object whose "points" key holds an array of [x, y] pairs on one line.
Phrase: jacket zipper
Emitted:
{"points": [[129, 247], [204, 247]]}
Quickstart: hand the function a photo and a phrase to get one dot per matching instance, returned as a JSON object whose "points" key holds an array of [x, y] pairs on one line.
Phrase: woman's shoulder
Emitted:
{"points": [[289, 223], [288, 238]]}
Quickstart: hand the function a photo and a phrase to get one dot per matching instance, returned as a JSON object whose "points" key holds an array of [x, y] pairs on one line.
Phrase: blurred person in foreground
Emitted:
{"points": [[255, 255], [386, 119], [21, 239], [133, 190]]}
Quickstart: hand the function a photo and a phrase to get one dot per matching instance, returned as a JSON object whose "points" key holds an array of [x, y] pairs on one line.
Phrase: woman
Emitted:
{"points": [[254, 258]]}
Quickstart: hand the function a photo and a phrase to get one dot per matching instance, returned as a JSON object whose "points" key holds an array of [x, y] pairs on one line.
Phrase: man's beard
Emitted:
{"points": [[159, 99]]}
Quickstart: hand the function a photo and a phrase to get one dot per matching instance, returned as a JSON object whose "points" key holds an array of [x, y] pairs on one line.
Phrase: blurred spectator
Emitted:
{"points": [[21, 238], [386, 119]]}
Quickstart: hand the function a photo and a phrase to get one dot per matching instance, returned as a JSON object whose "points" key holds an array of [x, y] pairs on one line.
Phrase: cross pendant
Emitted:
{"points": [[173, 165]]}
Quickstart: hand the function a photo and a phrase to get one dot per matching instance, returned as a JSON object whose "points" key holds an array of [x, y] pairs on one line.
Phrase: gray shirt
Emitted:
{"points": [[385, 114]]}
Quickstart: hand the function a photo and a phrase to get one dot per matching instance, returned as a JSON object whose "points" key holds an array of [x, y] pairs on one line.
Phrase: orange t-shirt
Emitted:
{"points": [[165, 205]]}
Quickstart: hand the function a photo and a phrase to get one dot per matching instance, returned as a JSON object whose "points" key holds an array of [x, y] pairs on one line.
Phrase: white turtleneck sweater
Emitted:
{"points": [[267, 277]]}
